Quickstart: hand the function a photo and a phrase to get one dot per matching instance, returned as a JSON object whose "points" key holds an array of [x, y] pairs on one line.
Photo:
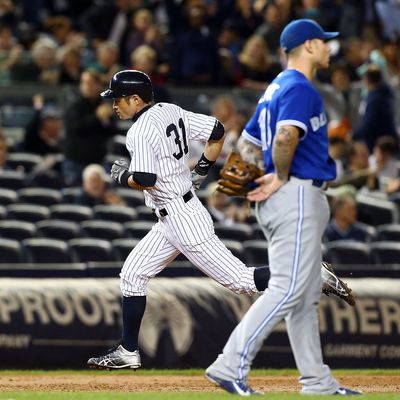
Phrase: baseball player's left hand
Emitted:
{"points": [[197, 180], [118, 168], [268, 185]]}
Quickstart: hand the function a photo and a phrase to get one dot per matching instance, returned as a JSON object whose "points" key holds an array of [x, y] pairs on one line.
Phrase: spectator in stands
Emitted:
{"points": [[357, 171], [194, 49], [257, 67], [353, 56], [270, 30], [107, 21], [391, 53], [43, 132], [337, 150], [384, 162], [70, 64], [144, 59], [3, 152], [59, 28], [41, 66], [10, 52], [95, 188], [106, 61], [88, 126], [343, 224], [142, 31], [378, 118]]}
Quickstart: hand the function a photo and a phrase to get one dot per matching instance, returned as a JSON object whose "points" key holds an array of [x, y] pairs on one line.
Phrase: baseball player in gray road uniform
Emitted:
{"points": [[158, 143], [290, 127]]}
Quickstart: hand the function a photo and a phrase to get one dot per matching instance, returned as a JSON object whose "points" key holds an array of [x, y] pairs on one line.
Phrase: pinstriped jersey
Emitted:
{"points": [[158, 142]]}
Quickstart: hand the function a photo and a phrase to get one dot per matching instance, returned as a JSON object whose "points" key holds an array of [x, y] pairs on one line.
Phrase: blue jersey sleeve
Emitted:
{"points": [[252, 131], [296, 107]]}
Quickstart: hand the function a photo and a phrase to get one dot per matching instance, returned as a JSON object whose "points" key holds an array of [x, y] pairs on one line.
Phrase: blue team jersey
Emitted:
{"points": [[290, 99]]}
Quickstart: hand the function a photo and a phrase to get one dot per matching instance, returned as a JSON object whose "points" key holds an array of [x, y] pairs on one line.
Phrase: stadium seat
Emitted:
{"points": [[3, 212], [40, 196], [18, 230], [106, 230], [71, 212], [27, 212], [70, 194], [90, 250], [374, 211], [122, 248], [348, 252], [236, 247], [8, 196], [10, 251], [133, 198], [138, 229], [256, 252], [257, 232], [118, 146], [26, 161], [389, 232], [12, 179], [238, 231], [114, 213], [45, 250], [145, 213], [385, 252], [58, 229]]}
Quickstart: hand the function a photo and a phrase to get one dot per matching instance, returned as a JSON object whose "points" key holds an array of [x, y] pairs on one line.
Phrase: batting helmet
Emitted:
{"points": [[128, 83]]}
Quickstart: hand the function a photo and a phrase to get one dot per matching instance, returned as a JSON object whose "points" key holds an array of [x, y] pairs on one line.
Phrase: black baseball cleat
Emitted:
{"points": [[332, 284], [116, 358]]}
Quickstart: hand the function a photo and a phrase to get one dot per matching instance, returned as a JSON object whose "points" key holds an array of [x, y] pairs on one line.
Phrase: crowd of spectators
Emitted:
{"points": [[198, 44]]}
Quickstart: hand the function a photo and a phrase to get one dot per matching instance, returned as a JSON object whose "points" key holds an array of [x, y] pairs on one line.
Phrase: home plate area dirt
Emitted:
{"points": [[176, 383]]}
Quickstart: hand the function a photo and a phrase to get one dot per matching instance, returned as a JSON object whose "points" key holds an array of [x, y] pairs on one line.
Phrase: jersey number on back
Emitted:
{"points": [[172, 128]]}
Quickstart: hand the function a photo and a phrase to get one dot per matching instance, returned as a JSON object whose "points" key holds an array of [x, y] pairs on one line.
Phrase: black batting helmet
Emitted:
{"points": [[128, 83]]}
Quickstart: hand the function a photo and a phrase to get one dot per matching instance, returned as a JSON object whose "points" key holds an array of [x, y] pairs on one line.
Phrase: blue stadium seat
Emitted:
{"points": [[238, 231], [122, 248], [12, 179], [71, 212], [256, 252], [138, 229], [133, 198], [106, 230], [348, 252], [8, 196], [70, 194], [58, 229], [90, 250], [389, 232], [10, 251], [27, 212], [375, 211], [18, 230], [40, 196], [45, 250], [114, 213], [385, 252], [26, 161]]}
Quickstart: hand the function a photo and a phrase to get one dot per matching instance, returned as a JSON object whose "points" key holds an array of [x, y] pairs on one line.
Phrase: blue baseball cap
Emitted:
{"points": [[301, 30]]}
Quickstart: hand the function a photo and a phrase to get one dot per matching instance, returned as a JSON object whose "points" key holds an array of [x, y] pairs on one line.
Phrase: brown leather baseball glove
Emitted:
{"points": [[238, 176]]}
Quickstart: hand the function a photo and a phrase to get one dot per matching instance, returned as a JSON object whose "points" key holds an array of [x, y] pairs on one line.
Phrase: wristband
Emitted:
{"points": [[123, 180], [203, 165]]}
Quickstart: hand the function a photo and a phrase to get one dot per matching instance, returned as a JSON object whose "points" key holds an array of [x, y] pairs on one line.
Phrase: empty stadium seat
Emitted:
{"points": [[26, 161], [3, 212], [256, 252], [90, 250], [58, 229], [138, 229], [118, 146], [374, 211], [348, 252], [10, 251], [12, 179], [45, 250], [385, 252], [114, 213], [238, 231], [40, 196], [18, 230], [107, 230], [71, 212], [145, 213], [236, 247], [27, 212], [8, 196], [122, 248], [133, 198], [389, 232], [257, 232], [70, 194]]}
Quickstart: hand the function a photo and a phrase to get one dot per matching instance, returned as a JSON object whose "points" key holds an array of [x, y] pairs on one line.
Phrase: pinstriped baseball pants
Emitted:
{"points": [[188, 229]]}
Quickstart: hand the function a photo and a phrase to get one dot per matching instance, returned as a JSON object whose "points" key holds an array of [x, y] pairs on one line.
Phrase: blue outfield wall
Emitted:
{"points": [[60, 323]]}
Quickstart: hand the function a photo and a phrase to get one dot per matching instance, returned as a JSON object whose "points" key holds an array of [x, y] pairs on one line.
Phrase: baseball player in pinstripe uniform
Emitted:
{"points": [[290, 126], [158, 143]]}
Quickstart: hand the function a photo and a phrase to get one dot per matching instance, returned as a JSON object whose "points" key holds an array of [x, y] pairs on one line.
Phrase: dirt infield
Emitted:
{"points": [[176, 383]]}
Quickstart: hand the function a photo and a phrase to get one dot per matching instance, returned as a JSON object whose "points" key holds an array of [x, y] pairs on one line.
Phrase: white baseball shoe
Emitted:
{"points": [[116, 358]]}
